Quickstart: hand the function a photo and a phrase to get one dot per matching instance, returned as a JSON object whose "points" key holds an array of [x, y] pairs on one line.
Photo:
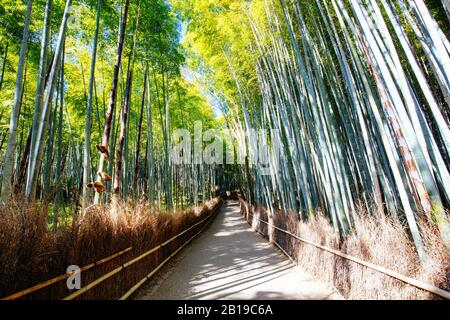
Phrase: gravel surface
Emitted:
{"points": [[230, 261]]}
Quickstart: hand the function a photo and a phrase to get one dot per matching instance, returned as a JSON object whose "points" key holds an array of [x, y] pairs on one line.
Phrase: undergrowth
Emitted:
{"points": [[375, 239], [31, 253]]}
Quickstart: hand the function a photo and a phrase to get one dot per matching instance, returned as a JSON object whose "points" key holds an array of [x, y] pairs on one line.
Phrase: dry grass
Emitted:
{"points": [[376, 240], [30, 254]]}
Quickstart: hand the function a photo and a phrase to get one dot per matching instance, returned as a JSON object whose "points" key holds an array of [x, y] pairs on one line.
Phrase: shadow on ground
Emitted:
{"points": [[230, 261]]}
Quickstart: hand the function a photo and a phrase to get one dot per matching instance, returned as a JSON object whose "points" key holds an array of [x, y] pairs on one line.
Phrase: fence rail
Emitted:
{"points": [[99, 280], [46, 283], [411, 281], [142, 281], [131, 262]]}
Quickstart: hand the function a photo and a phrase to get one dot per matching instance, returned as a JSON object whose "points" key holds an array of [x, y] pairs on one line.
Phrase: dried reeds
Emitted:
{"points": [[30, 254], [375, 239]]}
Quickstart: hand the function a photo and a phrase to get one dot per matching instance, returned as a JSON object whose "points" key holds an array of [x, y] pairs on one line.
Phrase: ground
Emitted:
{"points": [[230, 261]]}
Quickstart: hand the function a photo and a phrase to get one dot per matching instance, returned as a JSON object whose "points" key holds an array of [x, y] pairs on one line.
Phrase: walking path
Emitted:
{"points": [[230, 261]]}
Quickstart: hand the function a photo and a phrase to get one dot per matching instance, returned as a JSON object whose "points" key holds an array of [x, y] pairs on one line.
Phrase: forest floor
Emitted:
{"points": [[230, 261]]}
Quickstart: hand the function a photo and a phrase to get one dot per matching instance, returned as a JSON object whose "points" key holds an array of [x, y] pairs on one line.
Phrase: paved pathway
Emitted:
{"points": [[230, 261]]}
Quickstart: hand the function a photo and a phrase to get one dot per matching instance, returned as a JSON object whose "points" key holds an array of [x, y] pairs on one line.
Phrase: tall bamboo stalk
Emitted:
{"points": [[7, 173], [113, 95]]}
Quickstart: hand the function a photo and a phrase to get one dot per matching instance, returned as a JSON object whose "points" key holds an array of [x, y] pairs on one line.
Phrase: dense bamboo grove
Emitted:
{"points": [[91, 91], [351, 99], [358, 94]]}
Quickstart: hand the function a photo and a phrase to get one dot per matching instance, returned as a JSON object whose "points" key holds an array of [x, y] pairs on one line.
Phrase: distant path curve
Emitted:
{"points": [[230, 261]]}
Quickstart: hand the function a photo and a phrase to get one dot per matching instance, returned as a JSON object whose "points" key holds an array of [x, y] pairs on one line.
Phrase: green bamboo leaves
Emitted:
{"points": [[359, 119], [7, 173]]}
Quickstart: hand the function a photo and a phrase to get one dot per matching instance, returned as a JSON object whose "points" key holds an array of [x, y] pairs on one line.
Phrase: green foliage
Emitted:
{"points": [[157, 43]]}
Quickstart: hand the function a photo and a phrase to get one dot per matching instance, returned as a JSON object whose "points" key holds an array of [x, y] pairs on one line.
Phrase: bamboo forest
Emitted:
{"points": [[282, 137]]}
